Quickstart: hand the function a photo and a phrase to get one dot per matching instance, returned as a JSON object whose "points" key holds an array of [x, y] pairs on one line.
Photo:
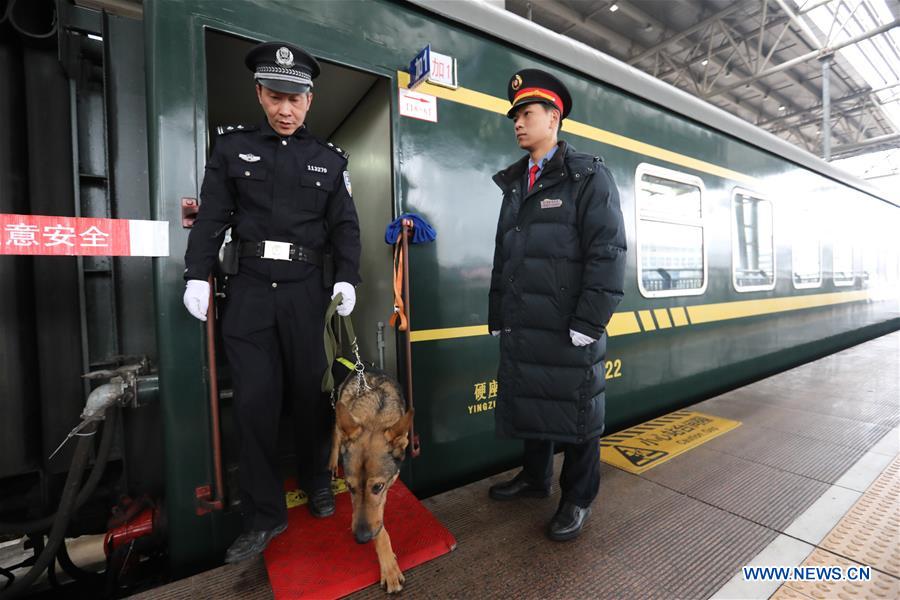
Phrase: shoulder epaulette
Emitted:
{"points": [[334, 148], [226, 129]]}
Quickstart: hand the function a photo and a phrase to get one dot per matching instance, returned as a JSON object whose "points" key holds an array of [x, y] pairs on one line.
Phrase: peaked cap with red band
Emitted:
{"points": [[533, 85]]}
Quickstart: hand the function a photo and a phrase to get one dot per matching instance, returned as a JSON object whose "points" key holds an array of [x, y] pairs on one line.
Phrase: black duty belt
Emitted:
{"points": [[280, 251]]}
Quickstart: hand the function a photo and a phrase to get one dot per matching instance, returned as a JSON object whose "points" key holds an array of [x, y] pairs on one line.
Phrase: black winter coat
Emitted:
{"points": [[559, 264]]}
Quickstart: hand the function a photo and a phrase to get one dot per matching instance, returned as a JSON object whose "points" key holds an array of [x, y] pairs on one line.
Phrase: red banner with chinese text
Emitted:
{"points": [[64, 236]]}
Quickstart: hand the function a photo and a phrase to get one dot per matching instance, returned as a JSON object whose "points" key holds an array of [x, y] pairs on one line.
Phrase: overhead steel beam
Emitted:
{"points": [[836, 101], [574, 17], [762, 110], [890, 140], [806, 57], [826, 108], [562, 11], [797, 80], [712, 55], [684, 73], [730, 43], [680, 36], [801, 24], [815, 118], [810, 6], [639, 15], [800, 81]]}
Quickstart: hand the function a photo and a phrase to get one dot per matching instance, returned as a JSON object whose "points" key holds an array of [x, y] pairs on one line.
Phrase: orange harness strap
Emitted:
{"points": [[398, 319]]}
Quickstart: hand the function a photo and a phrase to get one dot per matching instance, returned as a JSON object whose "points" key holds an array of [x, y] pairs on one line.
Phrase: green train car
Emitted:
{"points": [[746, 255]]}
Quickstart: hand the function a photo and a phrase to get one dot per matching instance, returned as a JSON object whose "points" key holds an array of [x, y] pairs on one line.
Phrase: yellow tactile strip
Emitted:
{"points": [[881, 585], [869, 534]]}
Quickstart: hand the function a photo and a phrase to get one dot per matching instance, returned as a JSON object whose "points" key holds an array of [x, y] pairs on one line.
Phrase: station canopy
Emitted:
{"points": [[771, 62]]}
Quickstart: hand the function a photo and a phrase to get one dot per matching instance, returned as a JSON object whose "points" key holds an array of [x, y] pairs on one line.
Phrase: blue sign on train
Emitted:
{"points": [[420, 67]]}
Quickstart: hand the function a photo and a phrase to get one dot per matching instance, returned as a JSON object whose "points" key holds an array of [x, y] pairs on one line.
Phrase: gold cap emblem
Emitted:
{"points": [[516, 82]]}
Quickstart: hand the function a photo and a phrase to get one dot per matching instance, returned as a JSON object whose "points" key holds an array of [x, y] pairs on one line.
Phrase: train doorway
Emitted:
{"points": [[351, 108]]}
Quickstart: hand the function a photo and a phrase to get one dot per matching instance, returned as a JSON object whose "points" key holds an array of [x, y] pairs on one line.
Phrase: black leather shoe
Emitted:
{"points": [[568, 522], [517, 487], [321, 503], [250, 544]]}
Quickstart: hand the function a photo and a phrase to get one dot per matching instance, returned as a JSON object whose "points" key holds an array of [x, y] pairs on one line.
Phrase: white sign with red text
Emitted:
{"points": [[43, 235], [443, 71], [418, 106]]}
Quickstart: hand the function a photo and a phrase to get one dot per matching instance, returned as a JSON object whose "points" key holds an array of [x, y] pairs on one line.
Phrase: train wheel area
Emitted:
{"points": [[807, 483]]}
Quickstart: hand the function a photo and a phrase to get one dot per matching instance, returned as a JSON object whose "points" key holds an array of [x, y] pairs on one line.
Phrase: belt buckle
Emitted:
{"points": [[276, 250]]}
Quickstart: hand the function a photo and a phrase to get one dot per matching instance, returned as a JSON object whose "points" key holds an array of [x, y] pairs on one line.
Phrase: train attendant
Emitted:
{"points": [[286, 196], [559, 266]]}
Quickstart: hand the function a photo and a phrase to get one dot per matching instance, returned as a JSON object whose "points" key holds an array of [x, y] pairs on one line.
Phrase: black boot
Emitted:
{"points": [[568, 522], [321, 503], [251, 543], [518, 487]]}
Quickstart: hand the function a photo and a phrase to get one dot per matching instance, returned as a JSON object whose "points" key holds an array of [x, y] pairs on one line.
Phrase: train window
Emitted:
{"points": [[671, 245], [753, 242], [806, 252], [842, 264]]}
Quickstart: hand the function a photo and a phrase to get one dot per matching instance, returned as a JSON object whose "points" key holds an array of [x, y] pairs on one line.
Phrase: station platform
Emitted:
{"points": [[811, 476]]}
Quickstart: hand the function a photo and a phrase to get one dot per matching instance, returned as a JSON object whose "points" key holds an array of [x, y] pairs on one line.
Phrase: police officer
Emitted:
{"points": [[558, 274], [286, 197]]}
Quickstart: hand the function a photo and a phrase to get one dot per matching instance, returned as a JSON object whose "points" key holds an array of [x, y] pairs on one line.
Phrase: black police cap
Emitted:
{"points": [[533, 85], [282, 67]]}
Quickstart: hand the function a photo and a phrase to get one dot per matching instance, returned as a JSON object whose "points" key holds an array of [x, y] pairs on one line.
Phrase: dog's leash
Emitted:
{"points": [[332, 353], [333, 348]]}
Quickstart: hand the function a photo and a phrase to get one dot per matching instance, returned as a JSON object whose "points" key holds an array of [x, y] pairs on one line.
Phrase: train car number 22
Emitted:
{"points": [[613, 368]]}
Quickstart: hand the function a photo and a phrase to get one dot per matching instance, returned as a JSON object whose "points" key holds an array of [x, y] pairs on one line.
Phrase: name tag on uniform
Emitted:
{"points": [[249, 157], [551, 203]]}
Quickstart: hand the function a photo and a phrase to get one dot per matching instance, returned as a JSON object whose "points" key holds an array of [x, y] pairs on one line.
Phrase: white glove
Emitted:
{"points": [[495, 333], [349, 298], [196, 298], [579, 339]]}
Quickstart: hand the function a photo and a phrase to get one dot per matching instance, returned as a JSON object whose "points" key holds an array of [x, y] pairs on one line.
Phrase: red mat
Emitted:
{"points": [[319, 558]]}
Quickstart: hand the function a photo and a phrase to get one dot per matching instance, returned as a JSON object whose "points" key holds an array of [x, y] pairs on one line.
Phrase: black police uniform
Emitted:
{"points": [[558, 266], [293, 189]]}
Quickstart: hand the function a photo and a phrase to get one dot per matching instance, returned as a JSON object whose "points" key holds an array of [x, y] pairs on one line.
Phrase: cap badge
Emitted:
{"points": [[516, 82], [284, 58]]}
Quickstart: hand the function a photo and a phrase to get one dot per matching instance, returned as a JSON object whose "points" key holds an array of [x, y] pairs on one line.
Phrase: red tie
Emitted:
{"points": [[532, 173]]}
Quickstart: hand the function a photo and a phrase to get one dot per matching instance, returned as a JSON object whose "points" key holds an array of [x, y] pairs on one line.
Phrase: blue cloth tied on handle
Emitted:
{"points": [[422, 231]]}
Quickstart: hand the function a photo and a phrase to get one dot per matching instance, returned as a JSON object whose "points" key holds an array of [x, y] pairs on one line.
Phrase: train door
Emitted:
{"points": [[351, 108]]}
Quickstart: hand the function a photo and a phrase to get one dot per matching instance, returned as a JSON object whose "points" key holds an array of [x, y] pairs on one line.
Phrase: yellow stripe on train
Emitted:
{"points": [[628, 322], [501, 106]]}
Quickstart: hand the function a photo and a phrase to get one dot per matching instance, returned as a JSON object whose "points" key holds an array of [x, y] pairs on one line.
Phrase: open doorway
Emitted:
{"points": [[351, 109]]}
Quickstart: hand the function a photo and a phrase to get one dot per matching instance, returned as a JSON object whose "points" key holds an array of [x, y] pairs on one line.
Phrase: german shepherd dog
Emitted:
{"points": [[371, 434]]}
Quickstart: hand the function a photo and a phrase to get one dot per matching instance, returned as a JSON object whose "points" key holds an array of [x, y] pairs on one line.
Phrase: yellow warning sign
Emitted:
{"points": [[644, 446]]}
